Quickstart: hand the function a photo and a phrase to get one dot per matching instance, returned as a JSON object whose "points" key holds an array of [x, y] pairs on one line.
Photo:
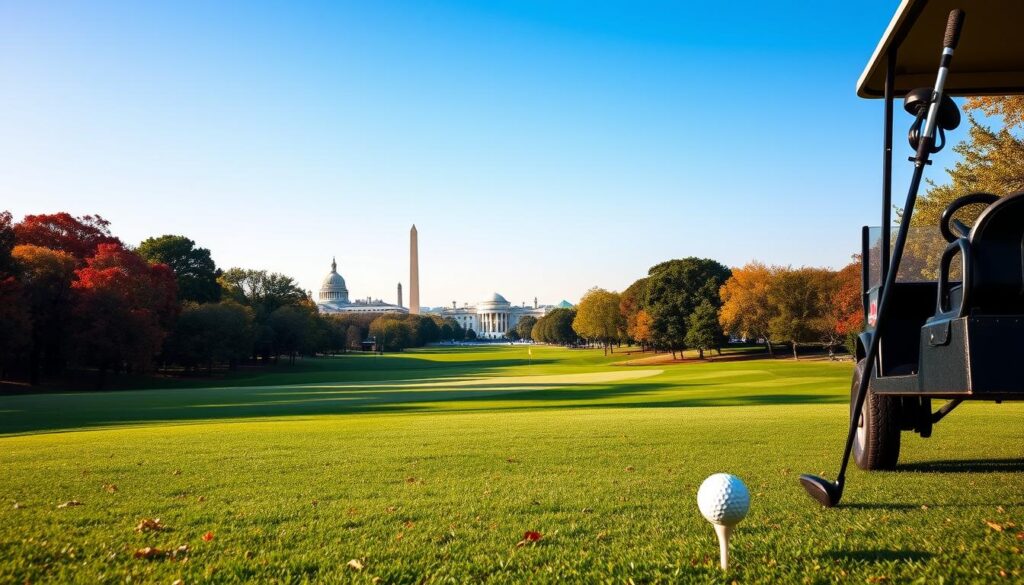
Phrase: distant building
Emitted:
{"points": [[489, 319], [494, 316], [333, 297]]}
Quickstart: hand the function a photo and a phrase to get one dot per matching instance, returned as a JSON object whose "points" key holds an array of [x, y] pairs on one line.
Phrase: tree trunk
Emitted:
{"points": [[768, 342], [795, 356], [700, 352]]}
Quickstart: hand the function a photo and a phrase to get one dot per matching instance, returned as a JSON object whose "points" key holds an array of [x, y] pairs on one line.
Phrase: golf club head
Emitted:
{"points": [[825, 492]]}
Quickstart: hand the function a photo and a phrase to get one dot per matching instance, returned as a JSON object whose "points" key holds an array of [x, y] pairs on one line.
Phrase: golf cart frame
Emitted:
{"points": [[947, 339]]}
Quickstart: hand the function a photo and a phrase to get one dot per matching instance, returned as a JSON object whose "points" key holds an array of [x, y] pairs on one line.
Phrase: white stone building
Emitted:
{"points": [[333, 297], [491, 318]]}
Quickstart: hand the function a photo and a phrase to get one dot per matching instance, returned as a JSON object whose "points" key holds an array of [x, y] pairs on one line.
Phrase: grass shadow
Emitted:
{"points": [[965, 466], [879, 555]]}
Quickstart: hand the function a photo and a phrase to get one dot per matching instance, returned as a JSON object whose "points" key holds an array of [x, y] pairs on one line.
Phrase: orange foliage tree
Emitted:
{"points": [[746, 309], [78, 236]]}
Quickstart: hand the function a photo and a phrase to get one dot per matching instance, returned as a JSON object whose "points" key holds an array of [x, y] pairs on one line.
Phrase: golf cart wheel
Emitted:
{"points": [[877, 443]]}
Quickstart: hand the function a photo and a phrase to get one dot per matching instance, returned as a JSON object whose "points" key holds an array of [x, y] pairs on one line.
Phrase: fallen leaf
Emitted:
{"points": [[70, 504], [391, 509], [18, 506], [924, 507], [1000, 509], [178, 582], [150, 525], [601, 535], [994, 526], [630, 468], [512, 460], [208, 537], [588, 510], [176, 472], [110, 488], [315, 502], [529, 537], [201, 499], [1020, 536], [355, 565], [249, 554], [149, 553], [410, 480]]}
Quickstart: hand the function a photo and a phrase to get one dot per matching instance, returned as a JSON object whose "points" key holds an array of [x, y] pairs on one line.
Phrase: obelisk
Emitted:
{"points": [[414, 272], [399, 294]]}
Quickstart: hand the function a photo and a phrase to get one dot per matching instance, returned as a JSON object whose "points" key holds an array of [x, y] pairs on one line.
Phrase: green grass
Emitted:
{"points": [[429, 467]]}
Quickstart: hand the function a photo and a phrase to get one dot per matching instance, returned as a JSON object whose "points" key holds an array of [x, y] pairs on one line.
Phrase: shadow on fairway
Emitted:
{"points": [[965, 466], [491, 381], [879, 555]]}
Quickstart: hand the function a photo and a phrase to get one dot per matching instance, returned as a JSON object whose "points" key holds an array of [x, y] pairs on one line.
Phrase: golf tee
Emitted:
{"points": [[723, 533]]}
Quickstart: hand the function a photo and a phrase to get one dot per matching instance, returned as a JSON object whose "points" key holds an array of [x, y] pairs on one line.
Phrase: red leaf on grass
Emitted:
{"points": [[529, 537], [208, 537]]}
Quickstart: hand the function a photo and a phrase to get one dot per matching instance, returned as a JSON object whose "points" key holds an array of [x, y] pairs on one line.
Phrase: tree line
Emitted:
{"points": [[698, 303], [74, 296]]}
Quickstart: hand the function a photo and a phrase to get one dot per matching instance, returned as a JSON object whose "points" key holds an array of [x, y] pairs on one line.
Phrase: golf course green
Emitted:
{"points": [[431, 466]]}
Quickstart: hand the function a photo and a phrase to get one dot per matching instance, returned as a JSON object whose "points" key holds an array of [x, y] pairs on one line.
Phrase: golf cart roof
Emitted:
{"points": [[989, 59]]}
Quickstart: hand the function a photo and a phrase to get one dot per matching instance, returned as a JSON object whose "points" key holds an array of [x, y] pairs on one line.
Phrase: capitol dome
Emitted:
{"points": [[333, 288], [496, 298]]}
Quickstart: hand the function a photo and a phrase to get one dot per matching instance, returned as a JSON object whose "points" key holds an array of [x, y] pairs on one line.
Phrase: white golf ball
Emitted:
{"points": [[723, 499]]}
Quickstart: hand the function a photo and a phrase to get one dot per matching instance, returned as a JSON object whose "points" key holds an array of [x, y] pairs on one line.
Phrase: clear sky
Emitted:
{"points": [[540, 147]]}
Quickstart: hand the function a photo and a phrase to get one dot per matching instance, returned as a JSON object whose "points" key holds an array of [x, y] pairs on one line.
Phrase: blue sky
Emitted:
{"points": [[541, 148]]}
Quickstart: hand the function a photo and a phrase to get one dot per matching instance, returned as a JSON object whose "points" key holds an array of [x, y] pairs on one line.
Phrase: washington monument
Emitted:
{"points": [[414, 273]]}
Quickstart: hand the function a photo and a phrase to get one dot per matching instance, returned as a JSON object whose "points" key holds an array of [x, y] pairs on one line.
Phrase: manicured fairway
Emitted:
{"points": [[429, 467]]}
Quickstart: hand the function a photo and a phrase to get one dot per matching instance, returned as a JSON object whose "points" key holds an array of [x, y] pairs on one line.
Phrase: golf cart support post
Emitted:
{"points": [[940, 339]]}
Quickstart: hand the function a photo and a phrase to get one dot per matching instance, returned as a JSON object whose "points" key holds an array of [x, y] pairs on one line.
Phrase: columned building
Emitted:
{"points": [[494, 316]]}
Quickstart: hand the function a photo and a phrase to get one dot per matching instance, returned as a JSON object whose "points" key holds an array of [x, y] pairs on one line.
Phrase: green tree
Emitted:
{"points": [[556, 327], [598, 317], [392, 333], [192, 266], [799, 297], [292, 328], [210, 334], [512, 335], [7, 241], [354, 338], [675, 289], [702, 329], [524, 327]]}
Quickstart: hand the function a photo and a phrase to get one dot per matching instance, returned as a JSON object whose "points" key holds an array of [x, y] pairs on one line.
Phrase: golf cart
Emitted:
{"points": [[943, 305]]}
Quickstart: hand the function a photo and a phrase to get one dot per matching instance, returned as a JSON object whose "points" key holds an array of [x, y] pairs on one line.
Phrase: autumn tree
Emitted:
{"points": [[675, 290], [78, 236], [746, 307], [637, 319], [193, 267], [843, 311], [45, 278], [123, 309], [598, 317], [799, 300]]}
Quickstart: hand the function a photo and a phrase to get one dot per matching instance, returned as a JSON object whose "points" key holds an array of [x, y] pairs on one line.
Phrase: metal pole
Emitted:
{"points": [[890, 82]]}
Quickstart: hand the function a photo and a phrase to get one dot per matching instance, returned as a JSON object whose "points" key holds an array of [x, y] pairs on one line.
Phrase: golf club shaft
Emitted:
{"points": [[953, 28]]}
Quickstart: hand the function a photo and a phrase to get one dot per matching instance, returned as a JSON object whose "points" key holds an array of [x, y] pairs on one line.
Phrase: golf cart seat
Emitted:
{"points": [[978, 326], [992, 255]]}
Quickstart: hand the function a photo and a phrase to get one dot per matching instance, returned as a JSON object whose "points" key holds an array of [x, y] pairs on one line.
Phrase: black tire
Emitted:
{"points": [[877, 443]]}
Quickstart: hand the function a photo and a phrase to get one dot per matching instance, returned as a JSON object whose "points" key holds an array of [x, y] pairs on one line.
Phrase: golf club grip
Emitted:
{"points": [[953, 27]]}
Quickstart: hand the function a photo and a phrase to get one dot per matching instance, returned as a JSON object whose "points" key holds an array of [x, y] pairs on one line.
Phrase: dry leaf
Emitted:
{"points": [[391, 509], [601, 535], [630, 468], [178, 582], [208, 537], [249, 554], [70, 504], [994, 526], [176, 472], [149, 553], [1020, 536], [18, 506], [355, 565], [150, 525], [110, 488], [588, 510], [201, 499]]}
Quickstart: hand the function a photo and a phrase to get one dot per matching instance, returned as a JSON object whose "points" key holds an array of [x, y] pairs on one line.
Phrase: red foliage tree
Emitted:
{"points": [[78, 236], [124, 308]]}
